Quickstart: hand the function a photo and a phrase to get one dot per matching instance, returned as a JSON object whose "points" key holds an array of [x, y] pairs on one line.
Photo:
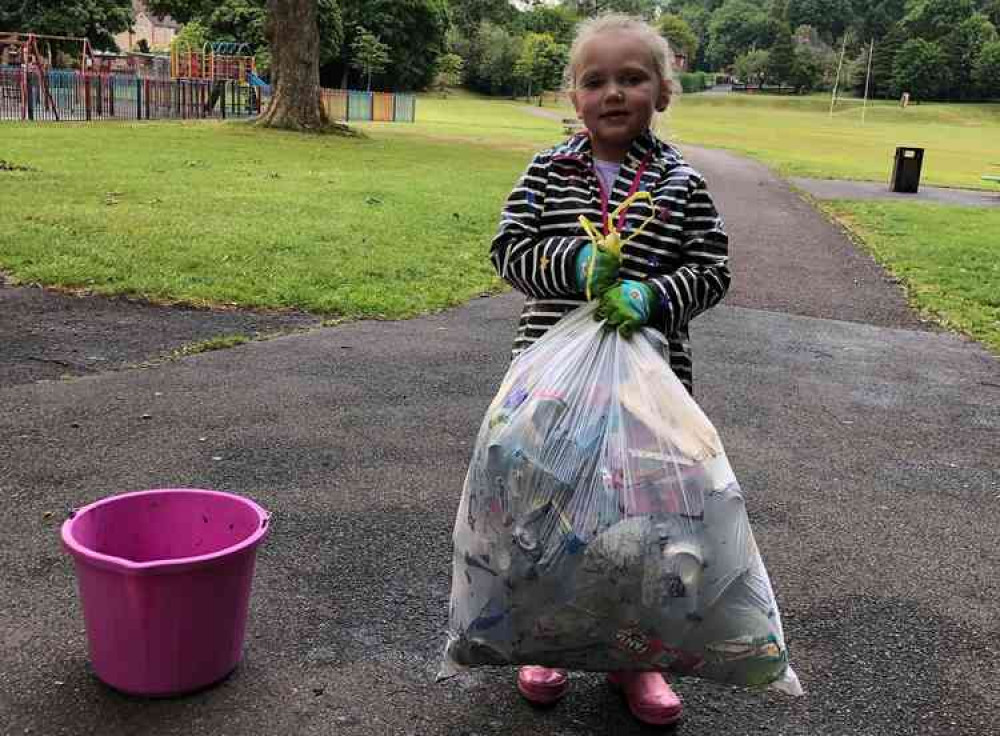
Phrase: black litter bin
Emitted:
{"points": [[906, 170]]}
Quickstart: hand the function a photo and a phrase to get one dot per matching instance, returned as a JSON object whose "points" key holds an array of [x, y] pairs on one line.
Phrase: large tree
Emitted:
{"points": [[558, 21], [541, 64], [781, 57], [807, 71], [963, 47], [97, 20], [829, 17], [991, 9], [679, 35], [883, 78], [876, 20], [751, 67], [293, 34], [920, 68], [697, 16], [497, 55], [987, 70], [737, 27], [466, 15], [244, 20], [933, 19]]}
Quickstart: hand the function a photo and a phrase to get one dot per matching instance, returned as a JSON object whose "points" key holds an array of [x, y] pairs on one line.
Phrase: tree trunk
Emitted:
{"points": [[294, 38]]}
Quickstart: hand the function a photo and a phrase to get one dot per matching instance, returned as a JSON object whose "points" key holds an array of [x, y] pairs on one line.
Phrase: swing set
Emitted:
{"points": [[22, 50]]}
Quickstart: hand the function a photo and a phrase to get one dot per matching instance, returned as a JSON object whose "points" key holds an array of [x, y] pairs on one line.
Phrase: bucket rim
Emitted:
{"points": [[176, 564]]}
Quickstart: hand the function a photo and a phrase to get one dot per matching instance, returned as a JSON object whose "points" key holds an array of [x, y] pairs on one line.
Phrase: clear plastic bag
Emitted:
{"points": [[601, 526]]}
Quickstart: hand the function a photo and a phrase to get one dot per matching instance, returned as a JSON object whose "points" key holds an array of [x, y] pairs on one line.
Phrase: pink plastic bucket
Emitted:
{"points": [[165, 578]]}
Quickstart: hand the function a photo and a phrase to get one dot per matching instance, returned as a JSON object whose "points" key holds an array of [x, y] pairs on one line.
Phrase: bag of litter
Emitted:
{"points": [[601, 526]]}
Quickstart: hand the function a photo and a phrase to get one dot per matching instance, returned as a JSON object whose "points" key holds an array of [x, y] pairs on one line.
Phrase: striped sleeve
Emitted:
{"points": [[540, 267], [703, 277]]}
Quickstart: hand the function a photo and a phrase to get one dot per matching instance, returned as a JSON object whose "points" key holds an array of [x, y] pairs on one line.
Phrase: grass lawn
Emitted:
{"points": [[794, 135], [798, 137], [224, 213], [511, 124], [946, 257], [400, 223]]}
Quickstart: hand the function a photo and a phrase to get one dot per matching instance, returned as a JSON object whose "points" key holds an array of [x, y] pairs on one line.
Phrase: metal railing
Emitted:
{"points": [[68, 95], [26, 94]]}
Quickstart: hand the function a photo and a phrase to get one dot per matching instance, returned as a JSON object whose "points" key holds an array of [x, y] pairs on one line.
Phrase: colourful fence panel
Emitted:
{"points": [[405, 109], [335, 102], [359, 106], [383, 107]]}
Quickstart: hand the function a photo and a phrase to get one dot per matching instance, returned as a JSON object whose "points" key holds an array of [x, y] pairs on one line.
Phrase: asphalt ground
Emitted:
{"points": [[840, 189], [866, 443]]}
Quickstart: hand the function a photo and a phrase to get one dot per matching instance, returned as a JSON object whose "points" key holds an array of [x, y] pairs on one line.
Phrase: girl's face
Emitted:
{"points": [[617, 88]]}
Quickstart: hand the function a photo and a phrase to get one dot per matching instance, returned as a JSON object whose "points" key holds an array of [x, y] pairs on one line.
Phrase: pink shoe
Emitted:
{"points": [[650, 698], [540, 685]]}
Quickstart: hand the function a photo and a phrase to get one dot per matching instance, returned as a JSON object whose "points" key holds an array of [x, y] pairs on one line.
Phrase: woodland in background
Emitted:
{"points": [[933, 49]]}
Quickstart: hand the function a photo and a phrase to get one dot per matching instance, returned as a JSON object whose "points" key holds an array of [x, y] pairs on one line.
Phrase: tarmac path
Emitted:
{"points": [[867, 446], [839, 189]]}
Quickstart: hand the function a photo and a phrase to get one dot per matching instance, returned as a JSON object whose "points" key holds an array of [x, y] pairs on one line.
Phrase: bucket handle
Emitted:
{"points": [[263, 522]]}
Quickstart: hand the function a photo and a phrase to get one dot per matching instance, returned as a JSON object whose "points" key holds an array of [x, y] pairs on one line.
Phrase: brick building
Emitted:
{"points": [[157, 31]]}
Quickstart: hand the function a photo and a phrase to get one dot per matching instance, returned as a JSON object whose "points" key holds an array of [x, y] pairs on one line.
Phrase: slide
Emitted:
{"points": [[256, 81]]}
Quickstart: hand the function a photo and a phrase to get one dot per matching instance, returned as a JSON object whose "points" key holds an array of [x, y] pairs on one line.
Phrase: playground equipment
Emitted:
{"points": [[45, 77], [219, 61], [21, 50]]}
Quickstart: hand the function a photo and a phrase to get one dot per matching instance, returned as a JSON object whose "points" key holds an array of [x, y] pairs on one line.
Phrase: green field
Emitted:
{"points": [[795, 135], [947, 258], [225, 213], [798, 137], [399, 223]]}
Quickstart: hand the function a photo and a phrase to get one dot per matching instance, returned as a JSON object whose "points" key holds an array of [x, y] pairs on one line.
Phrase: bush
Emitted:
{"points": [[696, 81]]}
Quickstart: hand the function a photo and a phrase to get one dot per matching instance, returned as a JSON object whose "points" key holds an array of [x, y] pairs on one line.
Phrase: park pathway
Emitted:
{"points": [[866, 445], [839, 189]]}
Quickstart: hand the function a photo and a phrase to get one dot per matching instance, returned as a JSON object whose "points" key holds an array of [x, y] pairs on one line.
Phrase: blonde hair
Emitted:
{"points": [[658, 47]]}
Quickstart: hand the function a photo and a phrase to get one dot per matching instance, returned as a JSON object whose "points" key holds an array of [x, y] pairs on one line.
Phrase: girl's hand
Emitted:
{"points": [[602, 277], [627, 306]]}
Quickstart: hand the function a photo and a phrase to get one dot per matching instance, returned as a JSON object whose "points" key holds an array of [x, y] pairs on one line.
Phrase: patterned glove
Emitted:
{"points": [[603, 275], [627, 306]]}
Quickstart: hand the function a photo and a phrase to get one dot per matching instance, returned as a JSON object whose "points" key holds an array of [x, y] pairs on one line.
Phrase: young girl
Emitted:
{"points": [[619, 74]]}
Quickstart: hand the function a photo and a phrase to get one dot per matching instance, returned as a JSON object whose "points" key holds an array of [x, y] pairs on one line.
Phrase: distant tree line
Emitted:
{"points": [[933, 49], [941, 49]]}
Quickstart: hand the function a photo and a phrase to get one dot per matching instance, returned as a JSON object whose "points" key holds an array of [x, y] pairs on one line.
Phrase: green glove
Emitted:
{"points": [[603, 275], [627, 306]]}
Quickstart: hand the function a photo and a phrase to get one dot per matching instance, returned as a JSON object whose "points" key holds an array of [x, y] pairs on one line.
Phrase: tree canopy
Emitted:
{"points": [[955, 34], [679, 35], [97, 20], [491, 37]]}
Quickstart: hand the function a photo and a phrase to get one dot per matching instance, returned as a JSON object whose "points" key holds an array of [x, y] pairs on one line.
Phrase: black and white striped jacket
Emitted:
{"points": [[682, 253]]}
